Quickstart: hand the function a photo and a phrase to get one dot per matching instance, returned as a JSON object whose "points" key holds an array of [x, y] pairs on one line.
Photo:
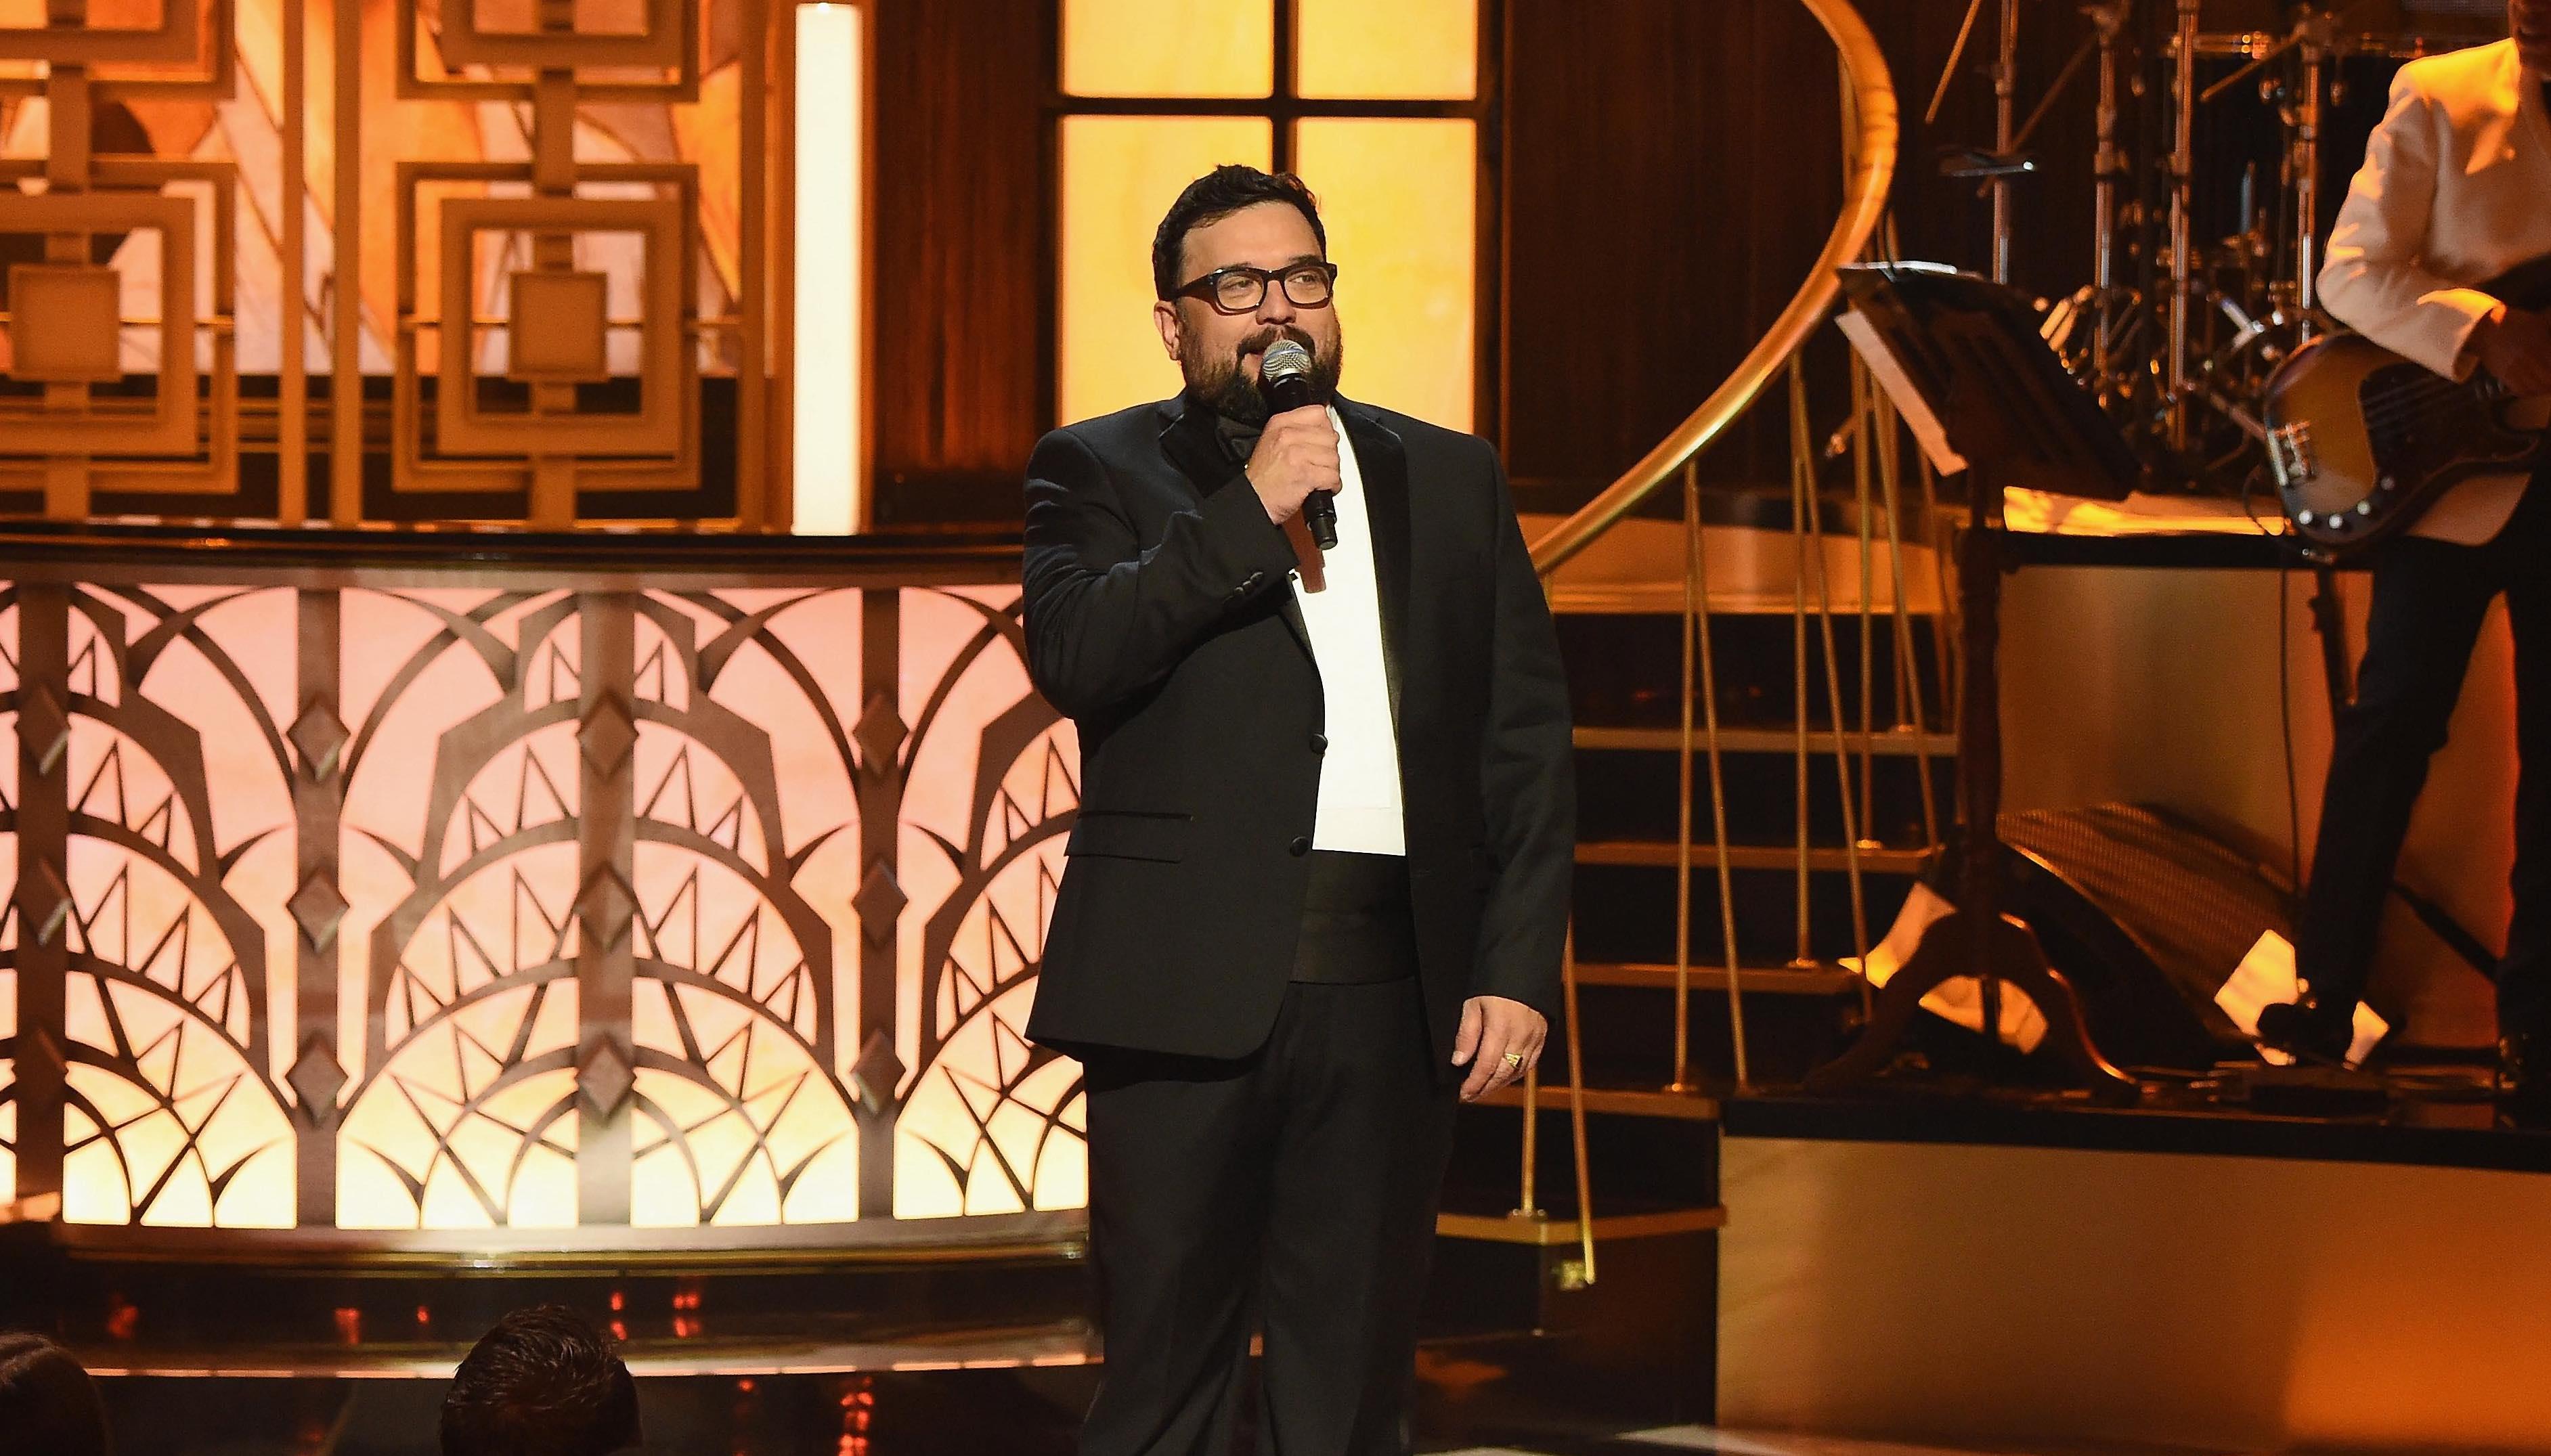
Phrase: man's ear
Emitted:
{"points": [[1164, 316]]}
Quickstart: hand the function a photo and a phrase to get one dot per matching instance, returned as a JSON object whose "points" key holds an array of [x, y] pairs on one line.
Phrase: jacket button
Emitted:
{"points": [[1319, 742], [1301, 847]]}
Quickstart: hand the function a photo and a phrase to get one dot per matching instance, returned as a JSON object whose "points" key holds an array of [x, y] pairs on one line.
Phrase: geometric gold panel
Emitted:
{"points": [[664, 345], [557, 329], [63, 324], [667, 42], [107, 428], [173, 42]]}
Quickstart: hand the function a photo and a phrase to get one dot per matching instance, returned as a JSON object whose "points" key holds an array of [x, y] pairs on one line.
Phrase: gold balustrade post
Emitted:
{"points": [[1681, 1080], [1576, 1102], [345, 278], [1802, 506], [1526, 1205], [1851, 830], [1697, 566], [1909, 670], [292, 383]]}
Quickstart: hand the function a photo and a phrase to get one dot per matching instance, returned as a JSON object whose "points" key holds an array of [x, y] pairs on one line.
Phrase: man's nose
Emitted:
{"points": [[1274, 308]]}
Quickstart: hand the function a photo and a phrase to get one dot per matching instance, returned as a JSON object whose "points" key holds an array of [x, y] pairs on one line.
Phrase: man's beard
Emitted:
{"points": [[1219, 383]]}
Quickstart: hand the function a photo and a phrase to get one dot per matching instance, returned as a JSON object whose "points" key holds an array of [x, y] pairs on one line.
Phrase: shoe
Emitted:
{"points": [[2524, 1078], [2301, 1029]]}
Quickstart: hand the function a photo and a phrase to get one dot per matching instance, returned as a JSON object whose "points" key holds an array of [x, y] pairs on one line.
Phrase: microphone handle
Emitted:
{"points": [[1320, 514], [1320, 508]]}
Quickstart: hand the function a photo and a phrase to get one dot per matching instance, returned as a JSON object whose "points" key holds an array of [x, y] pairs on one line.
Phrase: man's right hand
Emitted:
{"points": [[1296, 455], [2517, 348]]}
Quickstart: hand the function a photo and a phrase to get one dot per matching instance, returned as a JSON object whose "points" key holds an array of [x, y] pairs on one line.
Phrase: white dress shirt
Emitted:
{"points": [[1359, 807], [2456, 189]]}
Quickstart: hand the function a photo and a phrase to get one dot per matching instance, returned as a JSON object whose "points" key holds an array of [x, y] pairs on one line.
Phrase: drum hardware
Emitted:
{"points": [[1998, 168], [2108, 163], [2194, 299]]}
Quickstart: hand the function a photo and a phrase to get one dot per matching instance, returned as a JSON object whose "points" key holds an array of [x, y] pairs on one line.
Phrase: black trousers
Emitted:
{"points": [[1290, 1194], [2429, 599]]}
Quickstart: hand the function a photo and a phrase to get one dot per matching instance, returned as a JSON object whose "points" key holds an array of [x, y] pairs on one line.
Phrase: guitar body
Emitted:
{"points": [[2362, 440]]}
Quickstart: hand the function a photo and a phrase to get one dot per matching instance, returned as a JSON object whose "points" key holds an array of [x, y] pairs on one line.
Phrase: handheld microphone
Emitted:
{"points": [[1285, 377]]}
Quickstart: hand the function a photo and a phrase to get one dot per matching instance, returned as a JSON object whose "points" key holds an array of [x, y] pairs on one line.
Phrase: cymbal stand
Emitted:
{"points": [[2316, 31], [2328, 618], [2107, 166], [2182, 263], [2005, 82]]}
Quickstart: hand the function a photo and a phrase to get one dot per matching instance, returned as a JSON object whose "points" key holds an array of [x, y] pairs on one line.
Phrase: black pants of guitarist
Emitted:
{"points": [[2429, 599], [1290, 1192]]}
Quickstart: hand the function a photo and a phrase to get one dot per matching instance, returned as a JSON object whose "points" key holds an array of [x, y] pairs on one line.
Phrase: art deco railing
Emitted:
{"points": [[683, 894]]}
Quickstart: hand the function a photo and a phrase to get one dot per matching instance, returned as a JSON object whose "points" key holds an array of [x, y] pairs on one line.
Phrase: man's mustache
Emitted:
{"points": [[1265, 339]]}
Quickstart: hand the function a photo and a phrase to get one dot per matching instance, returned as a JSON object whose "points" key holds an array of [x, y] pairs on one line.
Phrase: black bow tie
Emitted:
{"points": [[1238, 439]]}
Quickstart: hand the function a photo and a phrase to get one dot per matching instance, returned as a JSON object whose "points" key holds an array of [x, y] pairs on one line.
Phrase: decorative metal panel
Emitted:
{"points": [[544, 222], [406, 906]]}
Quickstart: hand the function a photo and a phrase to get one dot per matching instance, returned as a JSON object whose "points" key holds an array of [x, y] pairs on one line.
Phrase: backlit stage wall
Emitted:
{"points": [[395, 896]]}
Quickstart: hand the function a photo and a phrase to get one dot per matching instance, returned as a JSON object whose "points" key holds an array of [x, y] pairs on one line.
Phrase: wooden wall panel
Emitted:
{"points": [[964, 339], [1645, 198]]}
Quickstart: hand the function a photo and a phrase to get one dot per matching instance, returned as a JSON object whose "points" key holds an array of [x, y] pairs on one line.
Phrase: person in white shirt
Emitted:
{"points": [[2455, 191]]}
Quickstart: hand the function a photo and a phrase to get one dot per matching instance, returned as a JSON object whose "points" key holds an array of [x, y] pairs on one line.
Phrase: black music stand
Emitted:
{"points": [[1964, 361]]}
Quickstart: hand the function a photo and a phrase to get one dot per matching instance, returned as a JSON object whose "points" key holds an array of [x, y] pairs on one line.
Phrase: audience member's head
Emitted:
{"points": [[49, 1407], [543, 1383]]}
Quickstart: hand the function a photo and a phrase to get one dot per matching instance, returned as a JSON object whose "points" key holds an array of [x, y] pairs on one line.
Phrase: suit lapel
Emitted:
{"points": [[1189, 442], [1383, 460]]}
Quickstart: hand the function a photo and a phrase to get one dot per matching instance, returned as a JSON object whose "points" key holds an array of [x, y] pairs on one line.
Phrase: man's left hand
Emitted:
{"points": [[1498, 1040]]}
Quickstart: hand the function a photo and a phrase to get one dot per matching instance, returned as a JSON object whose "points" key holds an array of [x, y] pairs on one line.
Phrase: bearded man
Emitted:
{"points": [[1318, 883]]}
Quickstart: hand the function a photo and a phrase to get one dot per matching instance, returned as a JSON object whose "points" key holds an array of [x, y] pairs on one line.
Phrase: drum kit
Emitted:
{"points": [[2224, 134]]}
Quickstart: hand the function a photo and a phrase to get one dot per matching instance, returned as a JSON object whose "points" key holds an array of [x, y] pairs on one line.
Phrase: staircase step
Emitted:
{"points": [[1754, 568], [1884, 741], [1818, 980], [1627, 671], [1655, 854], [1623, 1102], [1625, 912], [1556, 1230]]}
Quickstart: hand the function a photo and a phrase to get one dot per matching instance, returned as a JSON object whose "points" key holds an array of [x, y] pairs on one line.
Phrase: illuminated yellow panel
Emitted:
{"points": [[1168, 47], [1426, 49], [1119, 175], [1398, 198]]}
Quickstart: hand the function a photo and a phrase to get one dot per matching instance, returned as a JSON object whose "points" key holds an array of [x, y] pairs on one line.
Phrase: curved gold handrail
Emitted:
{"points": [[1872, 167]]}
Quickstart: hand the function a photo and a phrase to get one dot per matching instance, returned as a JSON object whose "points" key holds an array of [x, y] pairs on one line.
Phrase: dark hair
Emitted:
{"points": [[1215, 196], [542, 1382], [49, 1407]]}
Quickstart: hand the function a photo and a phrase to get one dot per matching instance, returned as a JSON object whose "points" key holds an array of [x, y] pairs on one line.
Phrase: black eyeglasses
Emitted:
{"points": [[1240, 289]]}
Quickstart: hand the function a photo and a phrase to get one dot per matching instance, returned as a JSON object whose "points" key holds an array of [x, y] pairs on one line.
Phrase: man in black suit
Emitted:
{"points": [[1318, 886]]}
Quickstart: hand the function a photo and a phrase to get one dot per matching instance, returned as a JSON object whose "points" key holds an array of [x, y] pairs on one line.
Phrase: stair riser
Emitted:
{"points": [[1626, 913], [1627, 670], [1635, 1161], [1628, 1035], [1629, 795]]}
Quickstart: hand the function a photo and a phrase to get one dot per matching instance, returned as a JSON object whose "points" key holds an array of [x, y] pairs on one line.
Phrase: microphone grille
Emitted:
{"points": [[1284, 358]]}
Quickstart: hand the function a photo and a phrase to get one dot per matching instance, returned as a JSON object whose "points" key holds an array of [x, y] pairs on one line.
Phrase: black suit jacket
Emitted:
{"points": [[1161, 619]]}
